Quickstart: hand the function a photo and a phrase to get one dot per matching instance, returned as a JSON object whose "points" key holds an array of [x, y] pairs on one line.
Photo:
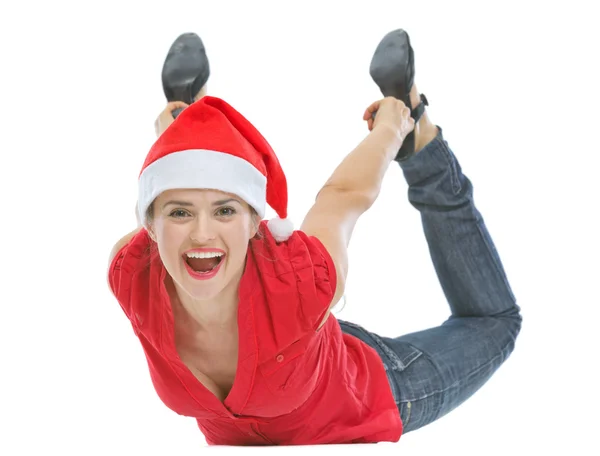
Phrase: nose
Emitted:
{"points": [[203, 229]]}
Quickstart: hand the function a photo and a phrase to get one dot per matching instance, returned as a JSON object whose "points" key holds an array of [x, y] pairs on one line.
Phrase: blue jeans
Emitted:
{"points": [[432, 372]]}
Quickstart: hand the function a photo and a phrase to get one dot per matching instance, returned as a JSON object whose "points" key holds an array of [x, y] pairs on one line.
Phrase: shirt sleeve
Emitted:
{"points": [[320, 282], [298, 279], [124, 266]]}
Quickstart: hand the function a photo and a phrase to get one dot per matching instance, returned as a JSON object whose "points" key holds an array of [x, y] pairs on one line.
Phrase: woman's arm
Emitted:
{"points": [[355, 184], [121, 243], [125, 239], [165, 118]]}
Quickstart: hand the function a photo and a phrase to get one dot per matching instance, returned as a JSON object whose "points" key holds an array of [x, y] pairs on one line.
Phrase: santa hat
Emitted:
{"points": [[212, 146]]}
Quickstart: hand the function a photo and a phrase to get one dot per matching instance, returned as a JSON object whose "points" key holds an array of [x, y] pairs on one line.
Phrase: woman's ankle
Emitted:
{"points": [[425, 130], [202, 93]]}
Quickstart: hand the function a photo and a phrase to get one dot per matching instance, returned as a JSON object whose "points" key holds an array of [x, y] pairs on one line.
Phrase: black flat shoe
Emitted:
{"points": [[393, 70], [186, 69]]}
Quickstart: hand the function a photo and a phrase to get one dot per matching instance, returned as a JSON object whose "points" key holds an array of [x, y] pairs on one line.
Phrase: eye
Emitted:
{"points": [[226, 211], [178, 211]]}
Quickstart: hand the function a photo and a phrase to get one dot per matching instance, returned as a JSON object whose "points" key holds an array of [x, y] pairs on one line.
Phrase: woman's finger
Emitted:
{"points": [[374, 107], [176, 104]]}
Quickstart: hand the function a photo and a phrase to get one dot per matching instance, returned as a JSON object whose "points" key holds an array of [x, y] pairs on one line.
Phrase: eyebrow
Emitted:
{"points": [[188, 204]]}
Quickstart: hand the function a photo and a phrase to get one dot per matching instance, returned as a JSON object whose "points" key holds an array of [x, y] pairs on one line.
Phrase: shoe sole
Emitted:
{"points": [[186, 69], [392, 66], [393, 70]]}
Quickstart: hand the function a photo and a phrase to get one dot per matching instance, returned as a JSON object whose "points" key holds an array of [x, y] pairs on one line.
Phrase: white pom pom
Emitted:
{"points": [[281, 229]]}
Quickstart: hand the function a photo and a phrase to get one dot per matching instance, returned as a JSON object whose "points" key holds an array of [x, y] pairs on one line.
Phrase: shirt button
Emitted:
{"points": [[279, 358]]}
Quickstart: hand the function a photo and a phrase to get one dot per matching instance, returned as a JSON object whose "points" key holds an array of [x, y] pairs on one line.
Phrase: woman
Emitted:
{"points": [[233, 312]]}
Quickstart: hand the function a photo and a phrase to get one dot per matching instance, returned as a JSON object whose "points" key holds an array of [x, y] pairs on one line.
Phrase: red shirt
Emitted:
{"points": [[293, 385]]}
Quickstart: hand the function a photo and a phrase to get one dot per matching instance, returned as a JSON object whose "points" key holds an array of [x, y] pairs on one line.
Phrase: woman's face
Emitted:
{"points": [[202, 238]]}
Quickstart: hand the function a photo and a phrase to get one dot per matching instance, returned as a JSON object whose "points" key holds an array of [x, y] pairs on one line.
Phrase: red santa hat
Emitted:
{"points": [[212, 146]]}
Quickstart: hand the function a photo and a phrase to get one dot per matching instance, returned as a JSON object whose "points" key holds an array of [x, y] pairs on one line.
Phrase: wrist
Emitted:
{"points": [[389, 137], [385, 129]]}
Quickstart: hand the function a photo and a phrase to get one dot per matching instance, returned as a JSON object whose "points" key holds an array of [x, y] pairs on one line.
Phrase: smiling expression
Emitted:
{"points": [[185, 220]]}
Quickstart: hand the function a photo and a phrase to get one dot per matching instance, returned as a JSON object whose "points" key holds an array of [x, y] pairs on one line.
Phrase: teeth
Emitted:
{"points": [[204, 254]]}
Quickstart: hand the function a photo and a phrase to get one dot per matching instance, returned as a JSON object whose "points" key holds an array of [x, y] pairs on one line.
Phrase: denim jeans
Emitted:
{"points": [[432, 372]]}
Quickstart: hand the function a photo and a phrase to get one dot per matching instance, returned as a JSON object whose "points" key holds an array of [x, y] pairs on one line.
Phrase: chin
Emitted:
{"points": [[203, 288]]}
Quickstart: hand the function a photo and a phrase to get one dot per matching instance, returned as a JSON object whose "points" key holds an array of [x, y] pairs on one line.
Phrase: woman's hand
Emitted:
{"points": [[392, 113], [166, 118]]}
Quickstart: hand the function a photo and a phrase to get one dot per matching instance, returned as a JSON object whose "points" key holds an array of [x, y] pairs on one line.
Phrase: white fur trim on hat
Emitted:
{"points": [[281, 229], [208, 169]]}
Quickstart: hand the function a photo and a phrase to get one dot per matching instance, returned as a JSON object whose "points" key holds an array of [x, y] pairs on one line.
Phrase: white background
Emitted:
{"points": [[515, 87]]}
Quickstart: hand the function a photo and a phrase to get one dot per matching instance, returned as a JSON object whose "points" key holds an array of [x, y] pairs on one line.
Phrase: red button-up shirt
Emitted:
{"points": [[294, 385]]}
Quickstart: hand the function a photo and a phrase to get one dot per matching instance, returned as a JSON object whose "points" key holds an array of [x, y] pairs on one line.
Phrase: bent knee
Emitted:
{"points": [[512, 321]]}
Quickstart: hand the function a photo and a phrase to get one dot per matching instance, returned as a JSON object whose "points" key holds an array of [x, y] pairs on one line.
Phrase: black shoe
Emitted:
{"points": [[393, 70], [185, 70]]}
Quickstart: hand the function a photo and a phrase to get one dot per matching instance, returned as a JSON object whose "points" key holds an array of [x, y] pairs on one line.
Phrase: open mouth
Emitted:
{"points": [[203, 265]]}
